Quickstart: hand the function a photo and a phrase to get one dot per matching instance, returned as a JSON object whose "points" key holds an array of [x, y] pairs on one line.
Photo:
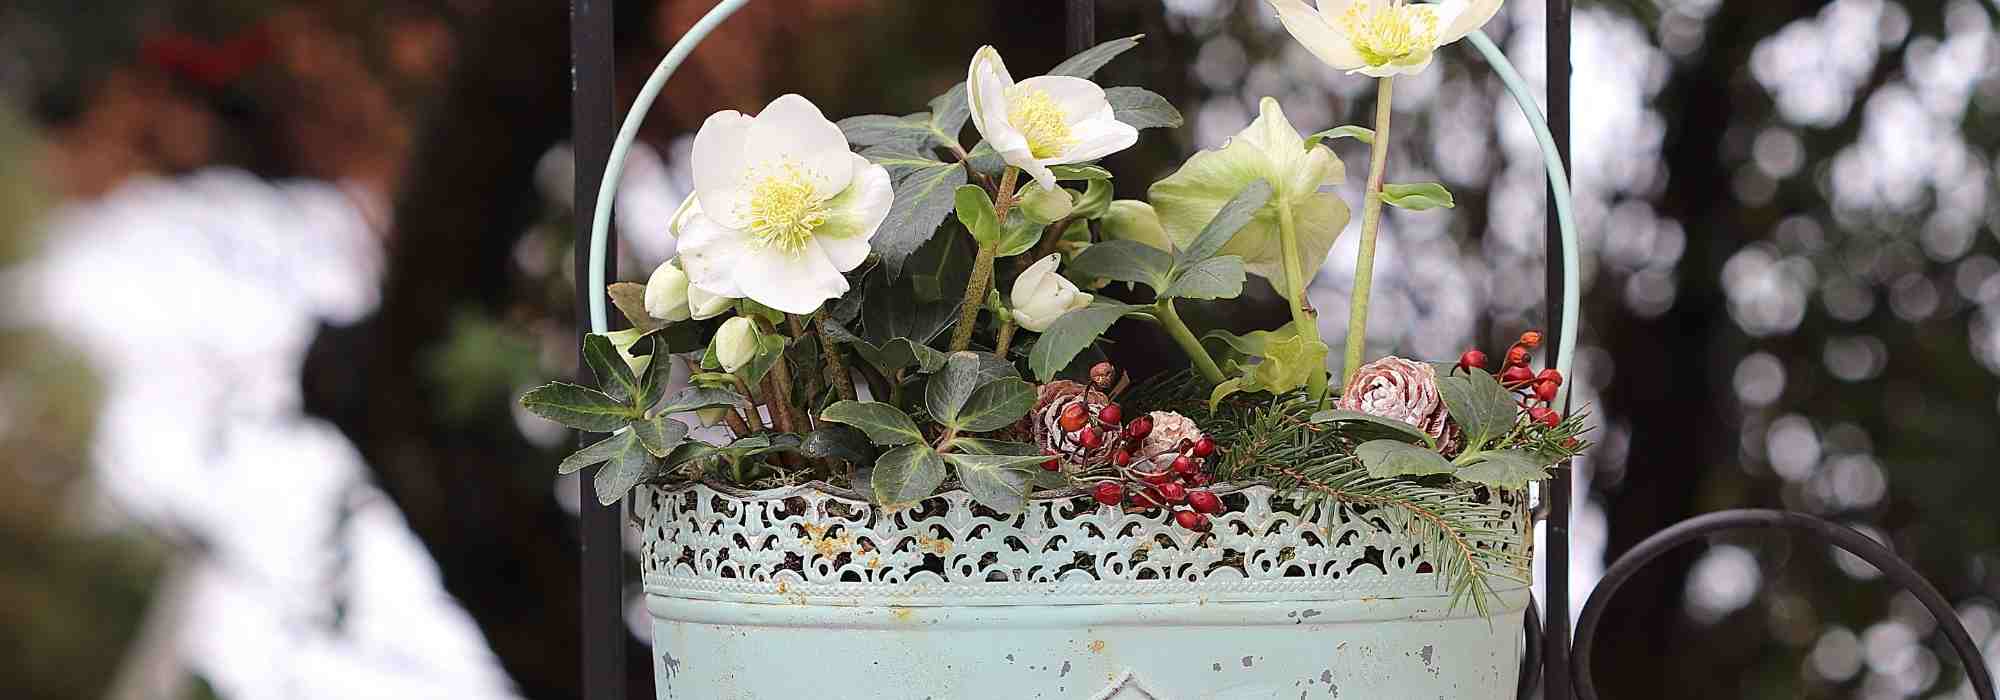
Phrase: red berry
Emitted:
{"points": [[1091, 439], [1204, 501], [1183, 465], [1204, 447], [1191, 520], [1551, 376], [1531, 339], [1472, 359], [1545, 390], [1108, 493], [1111, 414], [1173, 493], [1544, 416], [1200, 479], [1157, 477], [1139, 428], [1571, 443], [1121, 458], [1517, 356], [1143, 501], [1516, 375], [1074, 417]]}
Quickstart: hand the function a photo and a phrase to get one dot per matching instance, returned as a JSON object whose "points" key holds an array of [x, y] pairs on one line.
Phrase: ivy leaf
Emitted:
{"points": [[1219, 277], [975, 211], [1507, 469], [597, 452], [689, 451], [906, 474], [1387, 458], [1358, 133], [1374, 425], [981, 446], [630, 298], [659, 434], [770, 348], [1417, 197], [1232, 217], [999, 482], [610, 368], [1142, 109], [839, 442], [1124, 261], [1479, 405], [578, 407], [948, 391], [1079, 172], [1085, 64], [1071, 333], [695, 398], [884, 424], [628, 466], [996, 405], [923, 187]]}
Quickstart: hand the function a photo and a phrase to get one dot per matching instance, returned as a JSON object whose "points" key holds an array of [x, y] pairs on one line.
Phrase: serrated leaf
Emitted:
{"points": [[630, 298], [1387, 458], [884, 424], [1220, 277], [1227, 221], [1085, 64], [1418, 196], [999, 482], [579, 407], [1383, 426], [1479, 405], [1079, 172], [695, 398], [923, 187], [975, 212], [906, 474], [1071, 333], [630, 465], [839, 442], [1142, 109], [659, 434], [948, 114], [614, 375], [1507, 469], [1358, 133], [1124, 261], [996, 405], [596, 453]]}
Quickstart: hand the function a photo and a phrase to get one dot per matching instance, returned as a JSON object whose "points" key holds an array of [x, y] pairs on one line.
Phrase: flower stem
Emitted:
{"points": [[836, 366], [982, 268], [1371, 221], [1304, 322], [1005, 340], [1171, 320]]}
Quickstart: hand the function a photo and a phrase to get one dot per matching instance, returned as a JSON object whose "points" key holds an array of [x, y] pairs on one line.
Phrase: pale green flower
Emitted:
{"points": [[1047, 206], [735, 343], [1381, 38], [1271, 150], [1133, 220], [667, 293]]}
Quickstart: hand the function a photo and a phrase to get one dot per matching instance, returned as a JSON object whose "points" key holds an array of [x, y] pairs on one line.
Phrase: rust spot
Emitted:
{"points": [[902, 614], [936, 546], [1097, 646]]}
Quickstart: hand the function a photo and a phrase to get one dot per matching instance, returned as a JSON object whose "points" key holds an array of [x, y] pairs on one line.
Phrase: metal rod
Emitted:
{"points": [[1555, 647], [1082, 25], [602, 555]]}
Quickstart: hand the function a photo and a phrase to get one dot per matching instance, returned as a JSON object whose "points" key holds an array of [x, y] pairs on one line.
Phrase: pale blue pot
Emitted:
{"points": [[802, 593]]}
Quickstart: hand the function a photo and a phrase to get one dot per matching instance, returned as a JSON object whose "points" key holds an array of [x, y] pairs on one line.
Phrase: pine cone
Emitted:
{"points": [[1055, 399], [1170, 432]]}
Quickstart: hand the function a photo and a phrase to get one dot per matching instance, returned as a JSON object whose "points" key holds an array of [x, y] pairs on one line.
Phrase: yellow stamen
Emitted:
{"points": [[784, 210], [1391, 33], [1041, 120]]}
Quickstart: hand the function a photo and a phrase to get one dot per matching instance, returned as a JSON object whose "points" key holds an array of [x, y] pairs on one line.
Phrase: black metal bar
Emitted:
{"points": [[1082, 25], [1892, 567], [1555, 648], [603, 555]]}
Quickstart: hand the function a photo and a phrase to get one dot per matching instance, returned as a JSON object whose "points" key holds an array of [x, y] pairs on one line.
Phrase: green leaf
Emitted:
{"points": [[975, 211], [925, 302], [948, 114], [948, 391], [1480, 406], [1230, 219], [689, 451], [1124, 261], [839, 442], [924, 187], [1018, 234], [611, 370], [1358, 133], [1417, 197], [1071, 333], [1250, 344], [1142, 109], [1377, 425], [909, 131], [1387, 458], [884, 424], [1079, 172], [999, 482], [695, 398], [630, 465], [980, 446], [770, 348], [906, 474], [1507, 469], [659, 434], [578, 407], [597, 452], [630, 298], [1085, 64], [1220, 277], [996, 405], [1223, 391]]}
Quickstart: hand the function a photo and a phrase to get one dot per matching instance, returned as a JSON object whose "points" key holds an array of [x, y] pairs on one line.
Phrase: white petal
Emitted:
{"points": [[1317, 35], [795, 283], [1079, 99], [1037, 280], [1461, 17], [1393, 69], [1039, 170], [709, 253], [792, 131], [986, 84], [856, 215], [1098, 138], [719, 166]]}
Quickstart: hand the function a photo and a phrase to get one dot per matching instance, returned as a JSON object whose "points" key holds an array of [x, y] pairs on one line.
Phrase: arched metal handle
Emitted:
{"points": [[1846, 538]]}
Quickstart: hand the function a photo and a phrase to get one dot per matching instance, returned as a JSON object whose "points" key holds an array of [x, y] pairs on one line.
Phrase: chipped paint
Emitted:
{"points": [[933, 545], [1097, 646]]}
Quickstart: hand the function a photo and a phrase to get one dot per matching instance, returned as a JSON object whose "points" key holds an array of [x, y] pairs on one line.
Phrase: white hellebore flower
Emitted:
{"points": [[1381, 38], [1041, 296], [783, 207], [1039, 122], [667, 293]]}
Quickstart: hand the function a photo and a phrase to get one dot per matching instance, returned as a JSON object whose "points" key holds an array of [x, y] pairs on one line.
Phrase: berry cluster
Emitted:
{"points": [[1154, 461], [1536, 391]]}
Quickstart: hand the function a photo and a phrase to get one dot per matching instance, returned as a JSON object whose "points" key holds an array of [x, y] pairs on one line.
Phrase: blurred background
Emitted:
{"points": [[273, 271]]}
